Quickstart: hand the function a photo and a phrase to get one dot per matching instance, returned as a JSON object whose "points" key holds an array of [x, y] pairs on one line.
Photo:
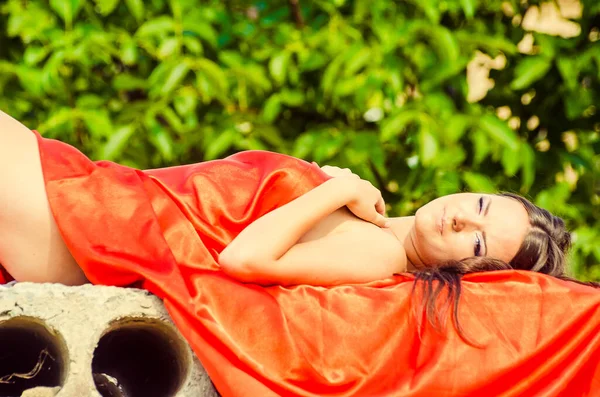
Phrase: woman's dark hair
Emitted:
{"points": [[543, 250]]}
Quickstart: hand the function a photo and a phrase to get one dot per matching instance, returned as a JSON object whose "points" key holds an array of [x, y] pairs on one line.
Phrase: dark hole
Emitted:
{"points": [[139, 358], [31, 356]]}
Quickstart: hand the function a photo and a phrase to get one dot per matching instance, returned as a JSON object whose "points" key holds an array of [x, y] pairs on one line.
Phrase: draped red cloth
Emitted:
{"points": [[163, 229]]}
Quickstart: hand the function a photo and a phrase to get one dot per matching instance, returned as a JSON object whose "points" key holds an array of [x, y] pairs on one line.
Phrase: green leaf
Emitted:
{"points": [[58, 118], [431, 9], [222, 143], [528, 169], [428, 146], [349, 86], [450, 157], [162, 25], [168, 47], [469, 7], [396, 124], [98, 122], [31, 80], [491, 44], [445, 43], [66, 9], [305, 144], [136, 7], [328, 146], [278, 66], [499, 131], [193, 45], [272, 108], [127, 82], [569, 71], [358, 61], [105, 7], [456, 127], [481, 146], [175, 78], [161, 139], [331, 74], [129, 52], [447, 183], [511, 161], [117, 141], [479, 183], [215, 75], [292, 98], [530, 70], [204, 30], [313, 61], [34, 54]]}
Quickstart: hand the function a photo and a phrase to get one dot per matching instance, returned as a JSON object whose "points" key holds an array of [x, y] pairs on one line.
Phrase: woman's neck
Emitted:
{"points": [[401, 228]]}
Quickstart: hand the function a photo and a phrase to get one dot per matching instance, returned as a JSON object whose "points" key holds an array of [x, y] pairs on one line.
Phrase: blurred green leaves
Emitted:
{"points": [[376, 85]]}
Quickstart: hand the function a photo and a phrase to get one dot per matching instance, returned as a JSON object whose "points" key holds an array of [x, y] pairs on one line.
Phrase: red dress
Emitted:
{"points": [[163, 229]]}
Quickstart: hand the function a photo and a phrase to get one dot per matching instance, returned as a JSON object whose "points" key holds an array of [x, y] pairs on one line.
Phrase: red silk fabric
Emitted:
{"points": [[162, 230]]}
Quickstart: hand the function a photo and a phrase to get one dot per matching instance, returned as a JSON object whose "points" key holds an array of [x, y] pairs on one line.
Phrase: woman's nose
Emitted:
{"points": [[462, 221]]}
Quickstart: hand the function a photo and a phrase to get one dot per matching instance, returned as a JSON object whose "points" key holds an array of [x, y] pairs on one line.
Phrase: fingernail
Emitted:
{"points": [[387, 224]]}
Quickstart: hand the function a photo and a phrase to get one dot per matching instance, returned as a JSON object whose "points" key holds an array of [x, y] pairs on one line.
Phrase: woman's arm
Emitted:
{"points": [[266, 251]]}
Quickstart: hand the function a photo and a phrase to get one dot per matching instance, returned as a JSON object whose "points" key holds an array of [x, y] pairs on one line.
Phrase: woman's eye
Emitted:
{"points": [[480, 204], [477, 250]]}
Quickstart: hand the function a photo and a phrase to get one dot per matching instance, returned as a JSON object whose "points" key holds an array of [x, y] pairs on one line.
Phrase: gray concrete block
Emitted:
{"points": [[93, 341]]}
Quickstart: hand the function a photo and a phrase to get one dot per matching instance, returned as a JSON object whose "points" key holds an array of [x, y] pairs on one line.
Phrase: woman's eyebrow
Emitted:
{"points": [[487, 208]]}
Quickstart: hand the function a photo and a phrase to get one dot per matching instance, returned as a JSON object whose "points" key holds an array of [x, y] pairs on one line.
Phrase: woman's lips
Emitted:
{"points": [[440, 223]]}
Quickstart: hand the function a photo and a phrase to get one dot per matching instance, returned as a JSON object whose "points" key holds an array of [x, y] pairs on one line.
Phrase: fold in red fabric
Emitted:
{"points": [[163, 229]]}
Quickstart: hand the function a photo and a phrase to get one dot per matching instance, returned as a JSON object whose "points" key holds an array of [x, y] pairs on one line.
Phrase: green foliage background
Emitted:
{"points": [[376, 85]]}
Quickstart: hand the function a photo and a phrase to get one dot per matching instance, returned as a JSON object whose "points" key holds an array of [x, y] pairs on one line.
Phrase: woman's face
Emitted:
{"points": [[464, 225]]}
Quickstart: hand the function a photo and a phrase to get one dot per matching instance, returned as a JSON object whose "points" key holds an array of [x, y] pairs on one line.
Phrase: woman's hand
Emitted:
{"points": [[337, 172], [366, 202]]}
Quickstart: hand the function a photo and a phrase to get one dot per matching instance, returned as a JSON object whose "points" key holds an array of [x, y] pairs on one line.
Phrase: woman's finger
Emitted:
{"points": [[381, 221], [380, 206]]}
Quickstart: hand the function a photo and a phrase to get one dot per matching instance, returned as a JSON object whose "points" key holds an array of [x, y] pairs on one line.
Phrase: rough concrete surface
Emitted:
{"points": [[93, 341]]}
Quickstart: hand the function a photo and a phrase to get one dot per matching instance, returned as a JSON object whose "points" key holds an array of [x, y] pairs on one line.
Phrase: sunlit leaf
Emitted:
{"points": [[292, 98], [35, 54], [358, 61], [530, 70], [305, 144], [479, 183], [428, 145], [499, 131], [511, 161], [98, 122], [272, 108], [328, 146], [204, 30], [136, 7], [105, 7], [162, 25], [278, 66], [128, 82], [175, 77], [396, 124], [221, 144], [214, 74], [468, 7], [528, 169], [116, 143], [66, 9]]}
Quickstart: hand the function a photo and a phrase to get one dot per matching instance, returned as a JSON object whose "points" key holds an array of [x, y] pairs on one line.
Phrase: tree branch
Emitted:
{"points": [[295, 7]]}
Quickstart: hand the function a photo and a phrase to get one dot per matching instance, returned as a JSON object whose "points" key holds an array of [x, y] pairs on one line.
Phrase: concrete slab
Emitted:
{"points": [[93, 341]]}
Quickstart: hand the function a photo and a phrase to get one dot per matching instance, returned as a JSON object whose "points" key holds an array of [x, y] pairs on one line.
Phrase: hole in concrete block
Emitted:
{"points": [[140, 357], [31, 355]]}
